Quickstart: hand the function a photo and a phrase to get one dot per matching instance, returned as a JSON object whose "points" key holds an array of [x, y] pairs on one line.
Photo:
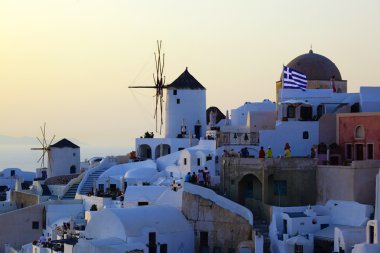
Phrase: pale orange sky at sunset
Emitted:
{"points": [[69, 63]]}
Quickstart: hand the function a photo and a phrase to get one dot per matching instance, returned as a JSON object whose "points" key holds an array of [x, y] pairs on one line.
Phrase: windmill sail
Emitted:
{"points": [[159, 85]]}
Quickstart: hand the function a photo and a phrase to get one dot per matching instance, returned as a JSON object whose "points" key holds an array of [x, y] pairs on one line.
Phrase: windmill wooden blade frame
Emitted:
{"points": [[159, 85]]}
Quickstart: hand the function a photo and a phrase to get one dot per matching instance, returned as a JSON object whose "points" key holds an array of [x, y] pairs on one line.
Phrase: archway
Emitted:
{"points": [[250, 190], [165, 150], [145, 152]]}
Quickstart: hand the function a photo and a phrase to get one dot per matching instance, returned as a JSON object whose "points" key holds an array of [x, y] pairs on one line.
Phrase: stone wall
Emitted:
{"points": [[17, 226], [354, 183], [225, 229], [24, 199]]}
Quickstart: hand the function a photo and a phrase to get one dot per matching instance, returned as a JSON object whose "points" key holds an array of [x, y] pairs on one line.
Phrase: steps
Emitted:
{"points": [[70, 194], [89, 184]]}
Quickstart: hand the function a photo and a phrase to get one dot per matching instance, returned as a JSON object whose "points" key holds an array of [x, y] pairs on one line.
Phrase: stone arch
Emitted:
{"points": [[249, 189], [165, 150], [145, 152]]}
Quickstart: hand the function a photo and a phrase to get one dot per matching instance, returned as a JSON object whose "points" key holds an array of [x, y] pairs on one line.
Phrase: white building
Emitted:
{"points": [[289, 224], [8, 177], [138, 228], [64, 158]]}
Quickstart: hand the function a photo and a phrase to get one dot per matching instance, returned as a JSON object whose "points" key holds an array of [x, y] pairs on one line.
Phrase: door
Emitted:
{"points": [[359, 152], [203, 242], [164, 248]]}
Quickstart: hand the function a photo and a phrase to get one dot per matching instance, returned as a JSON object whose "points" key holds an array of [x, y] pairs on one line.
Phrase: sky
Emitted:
{"points": [[69, 62]]}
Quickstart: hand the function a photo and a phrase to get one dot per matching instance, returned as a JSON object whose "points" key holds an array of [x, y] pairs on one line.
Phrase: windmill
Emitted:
{"points": [[45, 147], [159, 84]]}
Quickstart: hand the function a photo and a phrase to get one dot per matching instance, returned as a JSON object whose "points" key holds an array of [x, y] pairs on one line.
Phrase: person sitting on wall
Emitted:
{"points": [[233, 153], [188, 177], [269, 152], [201, 179], [287, 153], [262, 152], [207, 178], [312, 153], [193, 178], [244, 152]]}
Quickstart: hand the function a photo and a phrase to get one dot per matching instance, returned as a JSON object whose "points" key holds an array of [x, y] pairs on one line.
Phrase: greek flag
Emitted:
{"points": [[292, 79]]}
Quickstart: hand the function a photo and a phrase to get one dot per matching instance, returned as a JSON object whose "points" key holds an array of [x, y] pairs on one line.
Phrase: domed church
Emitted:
{"points": [[319, 70]]}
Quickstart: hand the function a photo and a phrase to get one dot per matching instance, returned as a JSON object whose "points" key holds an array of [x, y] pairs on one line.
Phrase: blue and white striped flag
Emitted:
{"points": [[292, 79]]}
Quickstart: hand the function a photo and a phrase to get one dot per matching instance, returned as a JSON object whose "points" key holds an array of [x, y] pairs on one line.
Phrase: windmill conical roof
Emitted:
{"points": [[64, 143], [186, 82]]}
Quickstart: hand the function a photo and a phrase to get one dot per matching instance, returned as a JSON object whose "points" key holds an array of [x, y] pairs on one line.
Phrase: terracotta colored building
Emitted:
{"points": [[358, 135]]}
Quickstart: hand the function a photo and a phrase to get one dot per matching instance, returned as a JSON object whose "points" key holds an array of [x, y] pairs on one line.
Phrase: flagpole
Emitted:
{"points": [[282, 90]]}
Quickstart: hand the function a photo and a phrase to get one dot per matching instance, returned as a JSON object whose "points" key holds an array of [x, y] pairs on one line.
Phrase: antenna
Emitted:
{"points": [[44, 145], [159, 84]]}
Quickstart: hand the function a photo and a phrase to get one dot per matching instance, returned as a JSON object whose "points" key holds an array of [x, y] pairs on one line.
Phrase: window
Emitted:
{"points": [[280, 187], [178, 101], [13, 173], [370, 151], [231, 250], [306, 112], [359, 132], [179, 149], [174, 92], [35, 225], [101, 187], [73, 154], [142, 203], [305, 135], [291, 111], [298, 248], [199, 161], [184, 161], [348, 151]]}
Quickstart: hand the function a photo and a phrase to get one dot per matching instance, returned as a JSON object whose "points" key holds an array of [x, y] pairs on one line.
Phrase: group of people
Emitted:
{"points": [[244, 153], [268, 153], [201, 178]]}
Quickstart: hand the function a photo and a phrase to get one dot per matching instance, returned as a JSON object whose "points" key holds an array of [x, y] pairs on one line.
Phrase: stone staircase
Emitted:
{"points": [[89, 184], [71, 192]]}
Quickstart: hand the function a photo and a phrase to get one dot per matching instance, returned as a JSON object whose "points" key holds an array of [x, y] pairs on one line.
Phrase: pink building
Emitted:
{"points": [[358, 135]]}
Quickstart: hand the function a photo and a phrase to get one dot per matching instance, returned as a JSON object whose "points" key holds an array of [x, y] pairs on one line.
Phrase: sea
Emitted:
{"points": [[20, 156]]}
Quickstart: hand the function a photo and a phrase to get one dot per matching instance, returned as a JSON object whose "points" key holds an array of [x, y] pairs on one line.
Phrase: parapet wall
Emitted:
{"points": [[225, 222]]}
